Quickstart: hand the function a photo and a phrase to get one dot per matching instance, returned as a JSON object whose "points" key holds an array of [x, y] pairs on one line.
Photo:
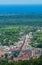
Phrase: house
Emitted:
{"points": [[36, 52]]}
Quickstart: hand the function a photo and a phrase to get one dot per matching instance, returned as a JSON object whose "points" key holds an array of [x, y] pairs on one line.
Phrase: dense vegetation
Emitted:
{"points": [[13, 24], [25, 62], [36, 41], [12, 33], [21, 19]]}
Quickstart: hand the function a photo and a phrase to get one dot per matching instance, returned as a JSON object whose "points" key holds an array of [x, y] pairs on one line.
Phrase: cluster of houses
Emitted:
{"points": [[9, 53], [21, 50]]}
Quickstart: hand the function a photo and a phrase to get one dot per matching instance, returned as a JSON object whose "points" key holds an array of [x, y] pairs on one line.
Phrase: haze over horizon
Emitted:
{"points": [[3, 2]]}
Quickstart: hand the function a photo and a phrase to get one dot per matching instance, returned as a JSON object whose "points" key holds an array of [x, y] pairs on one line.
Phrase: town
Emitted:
{"points": [[21, 50]]}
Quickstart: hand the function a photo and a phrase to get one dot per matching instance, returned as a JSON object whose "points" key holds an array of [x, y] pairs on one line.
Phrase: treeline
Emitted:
{"points": [[25, 62], [27, 19]]}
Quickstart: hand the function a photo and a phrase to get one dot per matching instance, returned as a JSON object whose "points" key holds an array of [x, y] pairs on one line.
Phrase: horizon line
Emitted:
{"points": [[20, 4]]}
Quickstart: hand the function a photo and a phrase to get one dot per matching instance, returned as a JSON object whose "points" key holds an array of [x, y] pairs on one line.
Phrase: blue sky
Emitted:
{"points": [[20, 1]]}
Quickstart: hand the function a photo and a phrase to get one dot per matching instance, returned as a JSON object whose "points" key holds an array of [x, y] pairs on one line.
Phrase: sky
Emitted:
{"points": [[20, 1]]}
